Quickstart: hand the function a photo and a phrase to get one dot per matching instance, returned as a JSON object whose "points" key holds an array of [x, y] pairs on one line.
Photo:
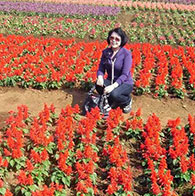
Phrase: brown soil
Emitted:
{"points": [[165, 109]]}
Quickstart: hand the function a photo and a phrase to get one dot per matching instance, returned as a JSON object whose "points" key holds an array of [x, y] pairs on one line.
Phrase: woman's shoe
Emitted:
{"points": [[127, 108]]}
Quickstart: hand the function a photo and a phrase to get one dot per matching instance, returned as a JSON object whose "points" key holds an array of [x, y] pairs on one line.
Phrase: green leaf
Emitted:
{"points": [[23, 190], [32, 187], [50, 148], [147, 172], [25, 131], [53, 178], [93, 178], [63, 192], [128, 133], [27, 193], [56, 156], [12, 162], [2, 191], [18, 167], [143, 163], [60, 193], [78, 194], [177, 176], [186, 176], [17, 189], [46, 163], [45, 173], [86, 160], [66, 180], [90, 191], [95, 148], [175, 161]]}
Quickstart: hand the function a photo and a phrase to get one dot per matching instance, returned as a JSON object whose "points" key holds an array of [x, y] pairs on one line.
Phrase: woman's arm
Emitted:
{"points": [[126, 68]]}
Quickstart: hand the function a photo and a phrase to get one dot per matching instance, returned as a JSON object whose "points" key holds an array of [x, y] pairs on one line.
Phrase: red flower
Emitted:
{"points": [[35, 156], [29, 165], [163, 164], [155, 188], [81, 187], [16, 153], [117, 155], [192, 162], [44, 155], [125, 178], [113, 173], [25, 179], [62, 163], [60, 144], [112, 188], [115, 117], [180, 143], [1, 183], [8, 193], [6, 152], [90, 167], [79, 154], [109, 134], [138, 113], [191, 121], [46, 191], [5, 163], [174, 123], [193, 179], [184, 164]]}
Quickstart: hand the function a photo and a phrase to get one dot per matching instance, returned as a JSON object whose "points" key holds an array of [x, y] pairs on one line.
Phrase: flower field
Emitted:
{"points": [[53, 62], [52, 45], [70, 155]]}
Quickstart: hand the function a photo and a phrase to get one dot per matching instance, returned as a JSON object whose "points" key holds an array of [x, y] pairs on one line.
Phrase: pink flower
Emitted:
{"points": [[171, 37], [141, 25], [93, 31], [134, 24], [162, 38]]}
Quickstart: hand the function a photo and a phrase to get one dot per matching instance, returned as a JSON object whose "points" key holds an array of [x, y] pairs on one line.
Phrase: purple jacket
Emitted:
{"points": [[122, 65]]}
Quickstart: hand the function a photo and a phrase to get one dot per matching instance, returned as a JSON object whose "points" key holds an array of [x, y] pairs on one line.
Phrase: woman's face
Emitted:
{"points": [[115, 40]]}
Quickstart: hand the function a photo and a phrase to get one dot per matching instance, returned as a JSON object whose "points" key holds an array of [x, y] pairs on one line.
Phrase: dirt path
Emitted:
{"points": [[165, 109]]}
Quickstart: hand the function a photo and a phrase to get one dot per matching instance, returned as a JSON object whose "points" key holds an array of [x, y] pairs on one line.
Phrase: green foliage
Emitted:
{"points": [[2, 191], [16, 164], [161, 92], [178, 92], [59, 177]]}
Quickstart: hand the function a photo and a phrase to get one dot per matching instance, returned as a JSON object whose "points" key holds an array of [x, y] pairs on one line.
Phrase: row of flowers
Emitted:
{"points": [[66, 154], [67, 9], [169, 156], [142, 27], [187, 2], [181, 19], [53, 62], [170, 5], [63, 27]]}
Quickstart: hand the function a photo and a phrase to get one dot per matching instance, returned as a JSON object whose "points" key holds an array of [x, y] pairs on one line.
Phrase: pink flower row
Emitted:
{"points": [[129, 3]]}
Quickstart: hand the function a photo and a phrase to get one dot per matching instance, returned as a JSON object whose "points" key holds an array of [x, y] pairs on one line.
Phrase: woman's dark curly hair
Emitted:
{"points": [[121, 33]]}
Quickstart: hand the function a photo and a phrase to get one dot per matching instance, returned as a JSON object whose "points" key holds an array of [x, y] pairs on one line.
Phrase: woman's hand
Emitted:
{"points": [[100, 81], [110, 88]]}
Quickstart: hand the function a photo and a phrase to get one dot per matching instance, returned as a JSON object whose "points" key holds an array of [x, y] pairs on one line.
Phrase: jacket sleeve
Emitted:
{"points": [[126, 68], [101, 69]]}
